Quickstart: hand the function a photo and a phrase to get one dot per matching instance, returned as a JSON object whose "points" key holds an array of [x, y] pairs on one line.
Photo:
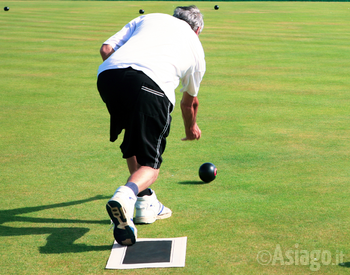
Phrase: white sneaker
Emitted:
{"points": [[149, 209], [121, 211]]}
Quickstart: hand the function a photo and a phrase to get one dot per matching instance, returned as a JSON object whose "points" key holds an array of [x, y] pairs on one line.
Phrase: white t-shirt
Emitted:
{"points": [[165, 48]]}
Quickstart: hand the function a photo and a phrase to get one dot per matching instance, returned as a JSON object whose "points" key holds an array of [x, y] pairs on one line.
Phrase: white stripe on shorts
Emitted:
{"points": [[146, 89], [161, 136]]}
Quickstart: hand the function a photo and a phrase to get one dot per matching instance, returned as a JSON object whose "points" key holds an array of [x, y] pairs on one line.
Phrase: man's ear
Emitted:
{"points": [[198, 30]]}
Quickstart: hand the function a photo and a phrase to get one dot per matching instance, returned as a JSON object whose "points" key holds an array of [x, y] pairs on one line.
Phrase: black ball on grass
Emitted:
{"points": [[141, 11], [6, 9], [207, 172], [216, 7]]}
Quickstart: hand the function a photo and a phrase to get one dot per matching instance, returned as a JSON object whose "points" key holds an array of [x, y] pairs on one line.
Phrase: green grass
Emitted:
{"points": [[274, 114]]}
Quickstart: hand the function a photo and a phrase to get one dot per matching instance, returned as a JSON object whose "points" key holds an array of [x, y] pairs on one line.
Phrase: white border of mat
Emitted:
{"points": [[177, 257]]}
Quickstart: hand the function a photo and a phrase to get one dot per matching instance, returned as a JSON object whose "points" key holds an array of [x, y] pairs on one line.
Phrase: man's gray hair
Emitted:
{"points": [[191, 15]]}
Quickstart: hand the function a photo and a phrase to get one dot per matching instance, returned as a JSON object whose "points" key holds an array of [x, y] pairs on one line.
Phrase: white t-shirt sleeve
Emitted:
{"points": [[121, 37], [192, 79]]}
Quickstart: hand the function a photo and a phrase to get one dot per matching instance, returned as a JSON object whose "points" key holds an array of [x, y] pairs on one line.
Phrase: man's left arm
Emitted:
{"points": [[105, 51], [119, 39]]}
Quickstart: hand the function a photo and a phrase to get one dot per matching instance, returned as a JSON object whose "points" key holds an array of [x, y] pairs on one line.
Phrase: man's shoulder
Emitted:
{"points": [[161, 17]]}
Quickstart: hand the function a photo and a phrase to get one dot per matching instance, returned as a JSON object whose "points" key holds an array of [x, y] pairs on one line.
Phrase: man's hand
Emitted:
{"points": [[189, 107], [193, 133], [105, 51]]}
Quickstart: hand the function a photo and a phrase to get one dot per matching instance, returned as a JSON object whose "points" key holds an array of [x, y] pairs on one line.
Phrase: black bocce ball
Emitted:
{"points": [[207, 172], [6, 9], [216, 7]]}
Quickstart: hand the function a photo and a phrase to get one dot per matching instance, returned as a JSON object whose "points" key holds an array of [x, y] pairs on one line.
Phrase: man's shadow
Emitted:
{"points": [[61, 239]]}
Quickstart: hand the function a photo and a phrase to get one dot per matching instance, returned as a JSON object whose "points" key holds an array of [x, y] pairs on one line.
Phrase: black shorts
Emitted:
{"points": [[136, 104]]}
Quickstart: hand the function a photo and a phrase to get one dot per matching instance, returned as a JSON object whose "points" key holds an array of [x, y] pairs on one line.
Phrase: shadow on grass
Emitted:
{"points": [[60, 239], [346, 264], [198, 182]]}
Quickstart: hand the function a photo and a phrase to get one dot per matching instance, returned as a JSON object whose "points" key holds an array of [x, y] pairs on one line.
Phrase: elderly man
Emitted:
{"points": [[143, 64]]}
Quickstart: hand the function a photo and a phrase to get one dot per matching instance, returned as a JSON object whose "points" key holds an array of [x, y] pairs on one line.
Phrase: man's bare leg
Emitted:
{"points": [[142, 176], [132, 164]]}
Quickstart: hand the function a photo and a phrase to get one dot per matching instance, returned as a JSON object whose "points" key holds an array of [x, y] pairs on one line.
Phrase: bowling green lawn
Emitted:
{"points": [[274, 114]]}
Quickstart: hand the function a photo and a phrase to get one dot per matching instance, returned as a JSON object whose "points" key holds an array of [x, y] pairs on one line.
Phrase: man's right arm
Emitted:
{"points": [[189, 108]]}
